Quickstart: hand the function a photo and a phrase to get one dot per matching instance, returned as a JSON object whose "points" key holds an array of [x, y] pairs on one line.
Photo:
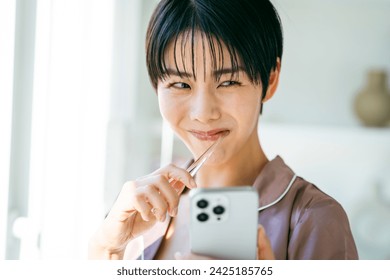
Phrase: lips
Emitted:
{"points": [[211, 135]]}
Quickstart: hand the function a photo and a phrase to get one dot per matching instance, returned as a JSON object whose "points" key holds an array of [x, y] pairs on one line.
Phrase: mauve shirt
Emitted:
{"points": [[305, 224]]}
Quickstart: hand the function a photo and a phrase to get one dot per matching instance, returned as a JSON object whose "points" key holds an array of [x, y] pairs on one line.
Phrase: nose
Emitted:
{"points": [[204, 106]]}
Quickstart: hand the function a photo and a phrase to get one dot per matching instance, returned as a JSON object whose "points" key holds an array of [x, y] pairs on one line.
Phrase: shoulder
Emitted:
{"points": [[311, 224], [278, 182], [319, 225], [311, 201]]}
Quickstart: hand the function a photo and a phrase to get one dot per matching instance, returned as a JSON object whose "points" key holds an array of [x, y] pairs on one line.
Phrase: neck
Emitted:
{"points": [[241, 169]]}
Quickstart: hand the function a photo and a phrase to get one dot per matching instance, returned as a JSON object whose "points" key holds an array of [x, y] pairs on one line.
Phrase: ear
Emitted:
{"points": [[273, 81]]}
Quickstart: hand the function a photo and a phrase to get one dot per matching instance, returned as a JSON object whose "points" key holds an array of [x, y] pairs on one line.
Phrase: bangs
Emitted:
{"points": [[182, 47]]}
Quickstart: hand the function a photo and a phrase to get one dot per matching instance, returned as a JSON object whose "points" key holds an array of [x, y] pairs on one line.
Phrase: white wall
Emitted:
{"points": [[329, 46]]}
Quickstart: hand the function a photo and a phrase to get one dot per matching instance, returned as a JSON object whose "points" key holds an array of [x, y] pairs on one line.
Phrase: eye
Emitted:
{"points": [[229, 84], [180, 85]]}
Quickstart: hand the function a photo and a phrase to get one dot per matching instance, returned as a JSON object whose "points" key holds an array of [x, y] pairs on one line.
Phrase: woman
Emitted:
{"points": [[214, 64]]}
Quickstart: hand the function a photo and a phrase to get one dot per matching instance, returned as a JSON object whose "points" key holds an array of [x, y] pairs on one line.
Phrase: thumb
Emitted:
{"points": [[264, 248]]}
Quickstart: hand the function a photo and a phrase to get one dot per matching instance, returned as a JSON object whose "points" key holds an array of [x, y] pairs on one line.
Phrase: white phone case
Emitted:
{"points": [[231, 234]]}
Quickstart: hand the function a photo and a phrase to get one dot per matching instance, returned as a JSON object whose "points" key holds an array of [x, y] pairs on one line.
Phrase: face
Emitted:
{"points": [[203, 107]]}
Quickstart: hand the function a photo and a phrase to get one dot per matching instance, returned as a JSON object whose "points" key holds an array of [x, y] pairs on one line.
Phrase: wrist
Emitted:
{"points": [[97, 250]]}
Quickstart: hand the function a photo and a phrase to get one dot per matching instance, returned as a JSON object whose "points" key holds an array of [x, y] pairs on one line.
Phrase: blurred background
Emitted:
{"points": [[78, 116]]}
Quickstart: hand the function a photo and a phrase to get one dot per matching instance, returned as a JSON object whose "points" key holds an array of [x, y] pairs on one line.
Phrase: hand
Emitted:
{"points": [[264, 249], [140, 204]]}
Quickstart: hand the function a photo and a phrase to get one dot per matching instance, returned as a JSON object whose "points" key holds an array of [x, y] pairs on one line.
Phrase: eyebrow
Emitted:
{"points": [[216, 73]]}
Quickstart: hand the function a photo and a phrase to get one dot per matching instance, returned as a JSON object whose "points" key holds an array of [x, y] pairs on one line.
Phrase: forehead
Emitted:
{"points": [[194, 51]]}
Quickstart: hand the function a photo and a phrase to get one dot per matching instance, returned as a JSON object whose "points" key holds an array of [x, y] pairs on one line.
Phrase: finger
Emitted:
{"points": [[171, 195], [172, 172], [158, 202], [177, 186], [166, 191], [124, 203], [264, 248], [141, 206]]}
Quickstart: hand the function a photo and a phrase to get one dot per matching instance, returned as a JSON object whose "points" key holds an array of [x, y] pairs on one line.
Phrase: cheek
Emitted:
{"points": [[170, 110], [247, 110], [248, 120]]}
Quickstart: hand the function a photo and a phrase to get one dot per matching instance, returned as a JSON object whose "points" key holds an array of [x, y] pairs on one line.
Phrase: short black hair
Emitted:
{"points": [[251, 30]]}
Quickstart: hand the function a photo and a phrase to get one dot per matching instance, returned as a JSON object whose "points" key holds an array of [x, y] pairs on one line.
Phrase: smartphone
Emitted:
{"points": [[223, 222]]}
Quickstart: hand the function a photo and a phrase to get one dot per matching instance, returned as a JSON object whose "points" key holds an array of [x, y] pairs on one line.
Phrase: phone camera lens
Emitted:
{"points": [[203, 217], [218, 210], [202, 203]]}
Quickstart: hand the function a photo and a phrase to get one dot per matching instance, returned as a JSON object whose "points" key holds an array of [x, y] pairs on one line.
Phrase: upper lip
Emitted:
{"points": [[209, 132]]}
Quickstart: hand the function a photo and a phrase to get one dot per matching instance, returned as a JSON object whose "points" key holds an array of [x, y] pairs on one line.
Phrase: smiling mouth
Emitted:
{"points": [[211, 135]]}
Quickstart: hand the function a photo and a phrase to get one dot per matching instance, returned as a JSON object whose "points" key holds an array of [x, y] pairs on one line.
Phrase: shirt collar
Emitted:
{"points": [[272, 181]]}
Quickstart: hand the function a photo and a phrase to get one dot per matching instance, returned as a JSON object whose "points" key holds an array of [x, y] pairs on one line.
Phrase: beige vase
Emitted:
{"points": [[372, 103]]}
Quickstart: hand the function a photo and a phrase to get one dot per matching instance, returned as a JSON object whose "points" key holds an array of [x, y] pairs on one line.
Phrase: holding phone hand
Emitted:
{"points": [[140, 205], [264, 249]]}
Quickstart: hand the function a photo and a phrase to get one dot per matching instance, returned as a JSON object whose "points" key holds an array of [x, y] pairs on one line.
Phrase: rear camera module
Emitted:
{"points": [[202, 217], [218, 210], [202, 203]]}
